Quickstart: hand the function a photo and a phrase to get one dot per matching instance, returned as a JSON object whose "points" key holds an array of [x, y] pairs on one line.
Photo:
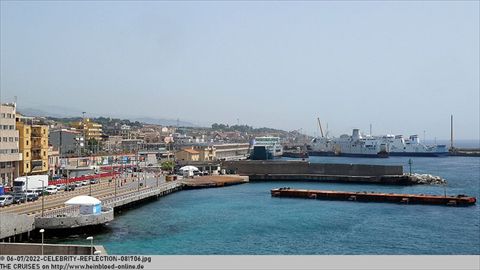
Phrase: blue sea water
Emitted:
{"points": [[245, 219]]}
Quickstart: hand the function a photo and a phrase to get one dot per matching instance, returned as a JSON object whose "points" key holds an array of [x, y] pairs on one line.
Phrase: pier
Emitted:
{"points": [[460, 200], [306, 171], [214, 181]]}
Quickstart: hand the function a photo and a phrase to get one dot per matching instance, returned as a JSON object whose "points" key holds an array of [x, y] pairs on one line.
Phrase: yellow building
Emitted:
{"points": [[33, 145], [187, 155], [91, 129], [206, 153]]}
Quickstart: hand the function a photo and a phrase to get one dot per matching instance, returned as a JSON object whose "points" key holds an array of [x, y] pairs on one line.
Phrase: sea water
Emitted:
{"points": [[245, 219]]}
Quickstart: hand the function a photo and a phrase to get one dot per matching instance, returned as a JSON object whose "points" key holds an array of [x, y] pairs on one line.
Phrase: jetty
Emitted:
{"points": [[213, 181], [460, 200], [270, 170]]}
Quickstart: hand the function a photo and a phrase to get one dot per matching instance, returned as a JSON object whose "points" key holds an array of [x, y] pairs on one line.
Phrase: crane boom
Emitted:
{"points": [[320, 126]]}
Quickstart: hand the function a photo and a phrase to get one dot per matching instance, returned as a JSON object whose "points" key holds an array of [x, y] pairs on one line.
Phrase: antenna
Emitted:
{"points": [[370, 129]]}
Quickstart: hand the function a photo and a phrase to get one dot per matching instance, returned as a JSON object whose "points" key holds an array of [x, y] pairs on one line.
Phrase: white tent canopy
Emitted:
{"points": [[189, 168], [83, 200]]}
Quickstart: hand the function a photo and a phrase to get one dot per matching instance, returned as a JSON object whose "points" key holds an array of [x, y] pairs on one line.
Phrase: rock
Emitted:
{"points": [[426, 179]]}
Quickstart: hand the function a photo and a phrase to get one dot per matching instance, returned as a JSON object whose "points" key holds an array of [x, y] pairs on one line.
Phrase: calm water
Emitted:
{"points": [[245, 219]]}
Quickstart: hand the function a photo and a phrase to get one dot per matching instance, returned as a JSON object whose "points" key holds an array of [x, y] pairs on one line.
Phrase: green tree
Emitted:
{"points": [[167, 165]]}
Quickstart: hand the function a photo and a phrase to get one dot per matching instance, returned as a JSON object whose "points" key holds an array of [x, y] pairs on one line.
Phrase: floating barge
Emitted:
{"points": [[460, 200]]}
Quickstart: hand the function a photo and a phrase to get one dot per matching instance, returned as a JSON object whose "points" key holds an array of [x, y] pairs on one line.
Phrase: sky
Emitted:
{"points": [[403, 67]]}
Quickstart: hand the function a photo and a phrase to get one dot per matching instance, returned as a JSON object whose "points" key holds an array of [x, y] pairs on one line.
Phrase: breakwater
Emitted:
{"points": [[258, 167], [324, 172]]}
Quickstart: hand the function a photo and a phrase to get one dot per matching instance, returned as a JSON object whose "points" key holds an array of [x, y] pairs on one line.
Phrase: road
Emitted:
{"points": [[103, 190]]}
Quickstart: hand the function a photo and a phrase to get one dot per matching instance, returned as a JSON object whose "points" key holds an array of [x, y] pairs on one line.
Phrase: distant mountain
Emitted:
{"points": [[163, 122], [63, 112], [51, 111]]}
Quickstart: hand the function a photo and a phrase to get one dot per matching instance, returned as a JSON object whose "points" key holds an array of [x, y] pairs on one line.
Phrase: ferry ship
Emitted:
{"points": [[265, 148], [349, 146], [399, 146]]}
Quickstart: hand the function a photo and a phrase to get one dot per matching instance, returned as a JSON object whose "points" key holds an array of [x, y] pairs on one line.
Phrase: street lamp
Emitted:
{"points": [[90, 187], [43, 195], [91, 244], [42, 231]]}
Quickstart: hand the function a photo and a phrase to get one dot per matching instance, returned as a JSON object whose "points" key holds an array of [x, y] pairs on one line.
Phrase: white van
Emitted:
{"points": [[51, 190], [6, 200]]}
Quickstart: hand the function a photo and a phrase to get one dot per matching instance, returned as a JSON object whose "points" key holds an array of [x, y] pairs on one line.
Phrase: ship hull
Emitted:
{"points": [[420, 154]]}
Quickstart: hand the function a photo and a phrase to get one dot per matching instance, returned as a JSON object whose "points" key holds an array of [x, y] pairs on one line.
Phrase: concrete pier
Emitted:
{"points": [[214, 181], [71, 218], [460, 200], [48, 249], [12, 225]]}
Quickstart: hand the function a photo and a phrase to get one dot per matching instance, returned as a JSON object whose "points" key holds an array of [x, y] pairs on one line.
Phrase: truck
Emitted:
{"points": [[21, 184]]}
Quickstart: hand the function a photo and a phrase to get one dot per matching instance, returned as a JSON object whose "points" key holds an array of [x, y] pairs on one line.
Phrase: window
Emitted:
{"points": [[26, 142], [3, 115], [10, 139], [5, 139], [44, 153], [12, 127], [16, 139], [5, 127], [27, 130], [27, 154], [9, 115]]}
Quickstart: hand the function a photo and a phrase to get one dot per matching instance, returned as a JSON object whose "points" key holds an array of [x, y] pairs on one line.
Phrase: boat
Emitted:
{"points": [[355, 145], [265, 148], [399, 146]]}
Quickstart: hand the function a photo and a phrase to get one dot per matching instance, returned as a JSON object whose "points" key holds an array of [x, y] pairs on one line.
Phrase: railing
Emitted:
{"points": [[150, 191], [74, 210], [68, 211], [81, 178]]}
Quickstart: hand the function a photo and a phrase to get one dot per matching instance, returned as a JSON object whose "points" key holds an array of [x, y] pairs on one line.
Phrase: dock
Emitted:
{"points": [[460, 200], [214, 181]]}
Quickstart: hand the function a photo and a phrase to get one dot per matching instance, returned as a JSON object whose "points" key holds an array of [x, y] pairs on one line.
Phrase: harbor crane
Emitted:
{"points": [[320, 126]]}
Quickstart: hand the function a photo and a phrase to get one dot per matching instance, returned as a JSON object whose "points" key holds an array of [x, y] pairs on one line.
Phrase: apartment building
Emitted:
{"points": [[9, 144], [33, 145]]}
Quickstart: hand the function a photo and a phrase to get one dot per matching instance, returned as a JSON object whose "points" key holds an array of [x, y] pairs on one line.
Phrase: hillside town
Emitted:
{"points": [[71, 147]]}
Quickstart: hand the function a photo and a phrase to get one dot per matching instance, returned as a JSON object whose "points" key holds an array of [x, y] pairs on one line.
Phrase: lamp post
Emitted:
{"points": [[43, 196], [90, 188], [91, 244], [410, 162], [42, 231]]}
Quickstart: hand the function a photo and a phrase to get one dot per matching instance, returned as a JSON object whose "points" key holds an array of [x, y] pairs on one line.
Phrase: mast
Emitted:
{"points": [[320, 126], [451, 132]]}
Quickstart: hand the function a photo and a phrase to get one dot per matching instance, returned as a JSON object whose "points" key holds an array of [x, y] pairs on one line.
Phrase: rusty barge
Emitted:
{"points": [[460, 200]]}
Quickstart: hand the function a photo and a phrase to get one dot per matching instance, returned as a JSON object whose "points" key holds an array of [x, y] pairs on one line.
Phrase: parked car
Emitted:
{"points": [[19, 198], [78, 184], [70, 187], [6, 200], [40, 191], [51, 190], [60, 187], [94, 181], [84, 183], [32, 196]]}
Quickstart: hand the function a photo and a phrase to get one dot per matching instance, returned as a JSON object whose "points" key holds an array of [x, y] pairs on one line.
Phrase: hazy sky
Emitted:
{"points": [[404, 67]]}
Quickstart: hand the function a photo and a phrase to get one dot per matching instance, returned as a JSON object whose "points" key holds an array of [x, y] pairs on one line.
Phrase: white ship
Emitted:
{"points": [[266, 148], [399, 146], [352, 146]]}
